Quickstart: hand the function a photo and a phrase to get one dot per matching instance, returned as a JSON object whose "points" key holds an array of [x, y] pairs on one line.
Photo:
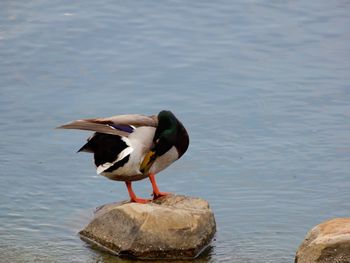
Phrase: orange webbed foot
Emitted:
{"points": [[140, 200], [133, 197], [160, 194], [156, 193]]}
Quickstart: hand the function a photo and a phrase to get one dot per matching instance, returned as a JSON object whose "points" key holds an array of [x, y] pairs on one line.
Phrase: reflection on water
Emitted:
{"points": [[101, 256], [263, 88]]}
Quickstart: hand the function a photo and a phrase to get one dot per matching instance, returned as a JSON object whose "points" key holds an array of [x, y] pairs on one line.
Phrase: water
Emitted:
{"points": [[262, 86]]}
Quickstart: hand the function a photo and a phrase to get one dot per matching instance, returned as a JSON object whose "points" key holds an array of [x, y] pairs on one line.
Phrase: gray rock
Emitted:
{"points": [[328, 242], [171, 227]]}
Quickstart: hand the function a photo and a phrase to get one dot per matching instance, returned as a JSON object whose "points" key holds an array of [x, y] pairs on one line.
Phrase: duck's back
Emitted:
{"points": [[119, 158]]}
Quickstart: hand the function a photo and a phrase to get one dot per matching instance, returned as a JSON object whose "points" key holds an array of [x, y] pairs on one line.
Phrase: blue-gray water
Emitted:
{"points": [[262, 86]]}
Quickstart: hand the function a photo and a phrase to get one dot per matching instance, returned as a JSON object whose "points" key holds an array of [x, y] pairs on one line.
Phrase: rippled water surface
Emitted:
{"points": [[262, 86]]}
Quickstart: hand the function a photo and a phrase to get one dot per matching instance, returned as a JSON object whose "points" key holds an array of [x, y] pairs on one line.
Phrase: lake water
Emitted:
{"points": [[262, 86]]}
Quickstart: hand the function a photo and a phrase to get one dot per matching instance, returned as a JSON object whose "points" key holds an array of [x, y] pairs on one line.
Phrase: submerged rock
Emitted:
{"points": [[326, 243], [170, 227]]}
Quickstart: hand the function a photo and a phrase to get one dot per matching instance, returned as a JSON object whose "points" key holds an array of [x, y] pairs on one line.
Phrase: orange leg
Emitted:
{"points": [[156, 193], [133, 197]]}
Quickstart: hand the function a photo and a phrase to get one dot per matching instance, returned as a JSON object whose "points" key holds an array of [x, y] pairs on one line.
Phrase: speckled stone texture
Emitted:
{"points": [[328, 242], [172, 227]]}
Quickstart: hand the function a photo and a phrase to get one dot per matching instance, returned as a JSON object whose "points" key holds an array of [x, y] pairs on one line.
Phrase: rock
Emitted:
{"points": [[327, 242], [171, 227]]}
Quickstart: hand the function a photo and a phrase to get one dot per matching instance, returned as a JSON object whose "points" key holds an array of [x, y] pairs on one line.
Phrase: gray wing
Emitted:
{"points": [[130, 119], [108, 125]]}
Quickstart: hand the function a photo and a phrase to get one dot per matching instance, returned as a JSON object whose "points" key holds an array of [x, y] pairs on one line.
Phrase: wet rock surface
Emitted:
{"points": [[172, 227], [328, 242]]}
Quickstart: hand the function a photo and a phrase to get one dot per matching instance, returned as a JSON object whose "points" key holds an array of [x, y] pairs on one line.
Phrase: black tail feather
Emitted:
{"points": [[105, 147], [86, 148]]}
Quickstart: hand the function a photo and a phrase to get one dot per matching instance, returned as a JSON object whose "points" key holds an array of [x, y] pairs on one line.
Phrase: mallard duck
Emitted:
{"points": [[132, 147]]}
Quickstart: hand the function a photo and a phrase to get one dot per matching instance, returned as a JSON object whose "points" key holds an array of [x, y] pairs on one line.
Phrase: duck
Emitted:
{"points": [[133, 147]]}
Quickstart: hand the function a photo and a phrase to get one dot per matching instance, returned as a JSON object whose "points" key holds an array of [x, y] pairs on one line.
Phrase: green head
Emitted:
{"points": [[164, 138], [166, 133]]}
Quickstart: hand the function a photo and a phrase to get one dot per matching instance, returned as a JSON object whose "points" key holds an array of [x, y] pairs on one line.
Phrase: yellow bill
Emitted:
{"points": [[147, 162]]}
